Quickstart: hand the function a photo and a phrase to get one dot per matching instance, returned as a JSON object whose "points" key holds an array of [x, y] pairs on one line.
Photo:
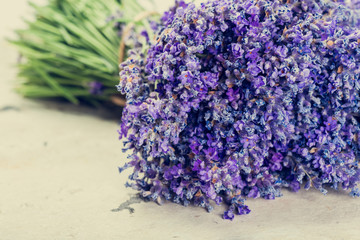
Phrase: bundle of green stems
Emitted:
{"points": [[72, 49]]}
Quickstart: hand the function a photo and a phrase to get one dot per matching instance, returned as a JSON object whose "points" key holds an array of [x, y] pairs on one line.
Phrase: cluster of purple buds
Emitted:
{"points": [[238, 98], [96, 88]]}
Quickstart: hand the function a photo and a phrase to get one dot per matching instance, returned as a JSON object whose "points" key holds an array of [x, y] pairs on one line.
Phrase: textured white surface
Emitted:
{"points": [[59, 180]]}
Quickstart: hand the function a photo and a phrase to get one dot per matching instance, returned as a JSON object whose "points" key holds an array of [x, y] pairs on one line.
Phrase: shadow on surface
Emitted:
{"points": [[105, 111]]}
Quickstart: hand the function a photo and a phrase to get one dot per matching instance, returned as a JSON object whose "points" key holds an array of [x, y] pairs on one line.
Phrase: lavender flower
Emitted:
{"points": [[238, 98], [96, 88]]}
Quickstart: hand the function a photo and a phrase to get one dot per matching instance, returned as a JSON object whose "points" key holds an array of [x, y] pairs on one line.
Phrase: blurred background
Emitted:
{"points": [[70, 51]]}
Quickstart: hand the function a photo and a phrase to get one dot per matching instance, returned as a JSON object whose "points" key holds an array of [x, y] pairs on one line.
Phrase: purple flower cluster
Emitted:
{"points": [[238, 98], [96, 88]]}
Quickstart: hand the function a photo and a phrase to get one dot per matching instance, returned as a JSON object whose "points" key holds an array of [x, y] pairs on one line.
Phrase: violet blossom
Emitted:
{"points": [[238, 98]]}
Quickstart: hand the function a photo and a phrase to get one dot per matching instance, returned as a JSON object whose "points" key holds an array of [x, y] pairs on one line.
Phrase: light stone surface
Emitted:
{"points": [[59, 180]]}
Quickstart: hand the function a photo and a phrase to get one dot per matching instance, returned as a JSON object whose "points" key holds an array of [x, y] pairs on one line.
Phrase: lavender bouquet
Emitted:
{"points": [[238, 98], [72, 49]]}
